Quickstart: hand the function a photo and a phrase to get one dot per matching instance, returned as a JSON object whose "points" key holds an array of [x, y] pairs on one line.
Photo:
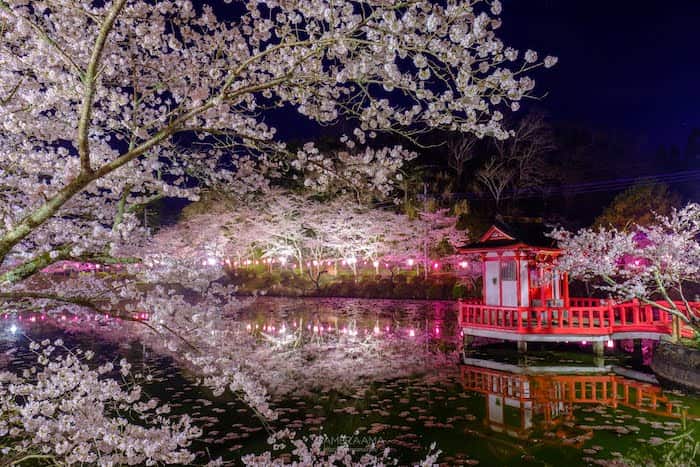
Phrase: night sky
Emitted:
{"points": [[628, 66]]}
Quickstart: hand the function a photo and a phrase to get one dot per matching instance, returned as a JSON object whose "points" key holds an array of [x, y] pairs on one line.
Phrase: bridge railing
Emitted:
{"points": [[545, 390], [582, 317]]}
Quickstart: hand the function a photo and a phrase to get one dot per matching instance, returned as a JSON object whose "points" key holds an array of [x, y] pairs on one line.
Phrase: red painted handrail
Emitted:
{"points": [[583, 317]]}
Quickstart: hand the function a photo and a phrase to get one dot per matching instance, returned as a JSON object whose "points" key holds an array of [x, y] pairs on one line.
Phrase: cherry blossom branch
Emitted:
{"points": [[46, 38], [90, 82]]}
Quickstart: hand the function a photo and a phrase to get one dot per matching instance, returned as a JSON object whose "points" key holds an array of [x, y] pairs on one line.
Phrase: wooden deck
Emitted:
{"points": [[584, 319]]}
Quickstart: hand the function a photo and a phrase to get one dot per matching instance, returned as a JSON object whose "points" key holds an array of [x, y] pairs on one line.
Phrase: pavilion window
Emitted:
{"points": [[508, 270]]}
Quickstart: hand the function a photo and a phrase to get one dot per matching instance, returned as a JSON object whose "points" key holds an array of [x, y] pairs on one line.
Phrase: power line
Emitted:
{"points": [[614, 184]]}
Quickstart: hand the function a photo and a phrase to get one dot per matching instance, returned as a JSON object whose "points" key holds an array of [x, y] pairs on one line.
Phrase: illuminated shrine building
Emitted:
{"points": [[526, 299], [517, 266]]}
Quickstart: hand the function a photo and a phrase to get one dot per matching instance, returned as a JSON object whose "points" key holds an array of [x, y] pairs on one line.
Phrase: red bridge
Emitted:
{"points": [[582, 319], [525, 298]]}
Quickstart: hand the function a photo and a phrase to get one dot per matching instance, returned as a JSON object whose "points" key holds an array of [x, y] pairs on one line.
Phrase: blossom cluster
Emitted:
{"points": [[645, 262], [64, 410], [289, 227]]}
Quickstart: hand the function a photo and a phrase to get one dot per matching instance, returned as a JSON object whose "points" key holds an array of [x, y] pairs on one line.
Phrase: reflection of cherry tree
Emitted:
{"points": [[651, 262]]}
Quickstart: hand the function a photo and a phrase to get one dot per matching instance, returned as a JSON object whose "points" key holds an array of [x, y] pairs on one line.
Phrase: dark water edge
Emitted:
{"points": [[499, 410]]}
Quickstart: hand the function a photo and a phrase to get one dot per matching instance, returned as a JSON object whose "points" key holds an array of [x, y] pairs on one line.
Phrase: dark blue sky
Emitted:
{"points": [[625, 65]]}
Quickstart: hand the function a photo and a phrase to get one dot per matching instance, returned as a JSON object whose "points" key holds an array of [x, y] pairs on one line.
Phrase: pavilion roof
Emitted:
{"points": [[513, 235]]}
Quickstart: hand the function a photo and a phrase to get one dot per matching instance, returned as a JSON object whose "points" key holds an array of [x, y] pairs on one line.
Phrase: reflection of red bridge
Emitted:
{"points": [[583, 319], [549, 398]]}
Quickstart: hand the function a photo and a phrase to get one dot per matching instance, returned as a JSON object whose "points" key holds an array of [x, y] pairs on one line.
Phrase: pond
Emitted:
{"points": [[553, 406]]}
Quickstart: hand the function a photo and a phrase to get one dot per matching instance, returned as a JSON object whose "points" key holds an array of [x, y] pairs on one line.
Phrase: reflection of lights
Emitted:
{"points": [[611, 344], [410, 262], [436, 265], [13, 329], [437, 330]]}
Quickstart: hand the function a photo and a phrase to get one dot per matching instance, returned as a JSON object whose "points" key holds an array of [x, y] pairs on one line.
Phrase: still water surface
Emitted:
{"points": [[551, 407]]}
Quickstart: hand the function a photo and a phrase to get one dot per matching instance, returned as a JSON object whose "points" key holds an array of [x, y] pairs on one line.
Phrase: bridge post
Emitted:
{"points": [[598, 353], [466, 345], [675, 328], [522, 346]]}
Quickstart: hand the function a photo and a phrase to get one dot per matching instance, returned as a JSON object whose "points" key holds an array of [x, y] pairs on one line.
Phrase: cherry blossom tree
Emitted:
{"points": [[94, 97], [652, 262], [64, 412], [107, 105]]}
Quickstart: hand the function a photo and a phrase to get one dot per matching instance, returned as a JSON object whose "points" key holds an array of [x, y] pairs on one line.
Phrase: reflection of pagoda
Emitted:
{"points": [[517, 402]]}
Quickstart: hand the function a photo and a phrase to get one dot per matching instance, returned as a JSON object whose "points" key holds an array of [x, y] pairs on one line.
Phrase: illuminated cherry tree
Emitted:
{"points": [[63, 411], [107, 105], [94, 97], [654, 262]]}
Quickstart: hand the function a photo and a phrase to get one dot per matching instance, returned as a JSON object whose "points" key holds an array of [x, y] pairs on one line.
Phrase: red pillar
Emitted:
{"points": [[566, 289], [542, 285], [483, 279], [517, 279]]}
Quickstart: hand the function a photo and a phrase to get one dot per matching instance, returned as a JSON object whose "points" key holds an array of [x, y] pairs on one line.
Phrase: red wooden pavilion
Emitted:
{"points": [[525, 298]]}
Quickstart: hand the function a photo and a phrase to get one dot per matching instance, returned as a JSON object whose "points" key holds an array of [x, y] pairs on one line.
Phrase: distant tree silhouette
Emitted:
{"points": [[637, 205]]}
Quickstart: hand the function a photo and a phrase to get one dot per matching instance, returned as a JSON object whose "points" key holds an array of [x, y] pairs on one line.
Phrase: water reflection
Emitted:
{"points": [[490, 411], [517, 403]]}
